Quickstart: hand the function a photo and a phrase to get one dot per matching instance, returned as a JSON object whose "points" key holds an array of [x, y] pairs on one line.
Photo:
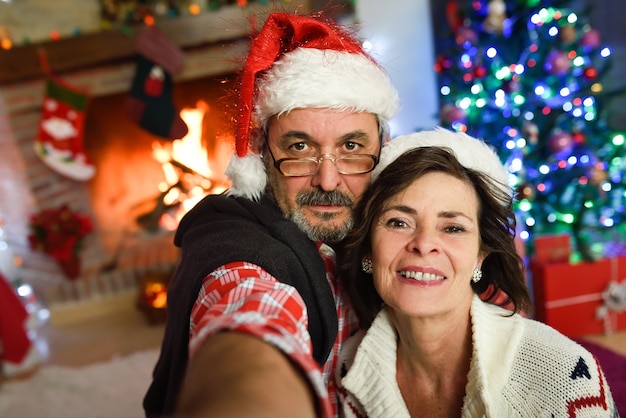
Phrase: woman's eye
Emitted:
{"points": [[454, 229], [396, 223]]}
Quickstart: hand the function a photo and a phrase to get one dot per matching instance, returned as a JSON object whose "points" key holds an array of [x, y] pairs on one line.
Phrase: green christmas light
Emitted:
{"points": [[525, 205]]}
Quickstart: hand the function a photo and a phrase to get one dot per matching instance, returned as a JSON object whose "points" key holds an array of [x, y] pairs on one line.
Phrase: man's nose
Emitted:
{"points": [[328, 177]]}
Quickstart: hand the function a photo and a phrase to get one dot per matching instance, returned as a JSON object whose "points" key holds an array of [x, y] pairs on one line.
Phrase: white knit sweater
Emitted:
{"points": [[519, 368]]}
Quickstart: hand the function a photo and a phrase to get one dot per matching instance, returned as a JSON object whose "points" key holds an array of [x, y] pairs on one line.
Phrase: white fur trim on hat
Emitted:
{"points": [[471, 152], [314, 78], [248, 176]]}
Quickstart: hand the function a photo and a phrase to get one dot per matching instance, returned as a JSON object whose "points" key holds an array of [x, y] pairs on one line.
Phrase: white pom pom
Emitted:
{"points": [[248, 176]]}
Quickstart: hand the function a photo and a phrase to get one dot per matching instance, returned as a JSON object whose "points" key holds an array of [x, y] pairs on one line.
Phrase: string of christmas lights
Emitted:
{"points": [[123, 15], [527, 76]]}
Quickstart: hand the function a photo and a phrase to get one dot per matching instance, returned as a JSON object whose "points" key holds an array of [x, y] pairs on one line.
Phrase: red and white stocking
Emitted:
{"points": [[60, 139]]}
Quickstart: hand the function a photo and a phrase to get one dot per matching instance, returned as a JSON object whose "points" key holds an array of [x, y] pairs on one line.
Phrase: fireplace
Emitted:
{"points": [[127, 198], [143, 183], [123, 198]]}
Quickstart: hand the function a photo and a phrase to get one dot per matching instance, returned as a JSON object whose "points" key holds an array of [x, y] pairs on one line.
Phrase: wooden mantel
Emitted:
{"points": [[227, 25]]}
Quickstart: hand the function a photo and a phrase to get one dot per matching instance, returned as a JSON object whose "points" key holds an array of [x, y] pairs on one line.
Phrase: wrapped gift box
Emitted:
{"points": [[552, 248], [569, 297]]}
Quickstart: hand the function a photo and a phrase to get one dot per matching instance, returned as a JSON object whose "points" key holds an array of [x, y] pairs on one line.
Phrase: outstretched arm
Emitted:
{"points": [[250, 350], [238, 375]]}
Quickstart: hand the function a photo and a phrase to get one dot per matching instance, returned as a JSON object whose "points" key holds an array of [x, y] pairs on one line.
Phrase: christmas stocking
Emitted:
{"points": [[150, 101], [61, 130]]}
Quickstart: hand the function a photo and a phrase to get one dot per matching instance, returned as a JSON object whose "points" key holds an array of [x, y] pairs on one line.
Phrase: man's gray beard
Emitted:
{"points": [[321, 233]]}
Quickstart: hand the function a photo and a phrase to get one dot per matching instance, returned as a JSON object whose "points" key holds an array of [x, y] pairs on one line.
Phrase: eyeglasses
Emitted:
{"points": [[309, 166]]}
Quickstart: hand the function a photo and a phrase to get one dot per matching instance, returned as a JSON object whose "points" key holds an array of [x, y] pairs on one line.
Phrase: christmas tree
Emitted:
{"points": [[527, 77]]}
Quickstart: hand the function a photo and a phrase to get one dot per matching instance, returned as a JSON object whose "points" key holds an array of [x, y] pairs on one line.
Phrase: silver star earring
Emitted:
{"points": [[477, 274], [366, 265]]}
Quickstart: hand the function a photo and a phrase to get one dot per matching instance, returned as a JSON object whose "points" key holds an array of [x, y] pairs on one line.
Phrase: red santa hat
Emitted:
{"points": [[472, 153], [300, 62]]}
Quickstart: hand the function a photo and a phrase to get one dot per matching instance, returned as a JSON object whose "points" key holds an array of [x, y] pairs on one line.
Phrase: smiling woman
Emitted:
{"points": [[435, 237], [425, 221]]}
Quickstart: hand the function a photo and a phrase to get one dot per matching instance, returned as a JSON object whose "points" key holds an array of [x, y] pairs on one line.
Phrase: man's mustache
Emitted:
{"points": [[317, 197]]}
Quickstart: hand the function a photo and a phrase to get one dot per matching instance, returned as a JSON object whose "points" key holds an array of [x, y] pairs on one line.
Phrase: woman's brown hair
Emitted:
{"points": [[503, 268]]}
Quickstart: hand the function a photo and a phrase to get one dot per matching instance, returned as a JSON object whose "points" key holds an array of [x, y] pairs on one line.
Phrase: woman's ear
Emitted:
{"points": [[481, 259]]}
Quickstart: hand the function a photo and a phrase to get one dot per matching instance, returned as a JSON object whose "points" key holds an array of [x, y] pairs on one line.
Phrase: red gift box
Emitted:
{"points": [[552, 248], [572, 297]]}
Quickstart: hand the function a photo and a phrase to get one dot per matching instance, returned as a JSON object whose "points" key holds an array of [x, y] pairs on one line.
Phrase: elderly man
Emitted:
{"points": [[255, 313]]}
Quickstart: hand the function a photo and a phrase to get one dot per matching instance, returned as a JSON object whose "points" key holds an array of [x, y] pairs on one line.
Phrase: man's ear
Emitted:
{"points": [[257, 140]]}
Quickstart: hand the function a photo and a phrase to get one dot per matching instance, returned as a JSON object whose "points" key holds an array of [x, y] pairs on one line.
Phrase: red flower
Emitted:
{"points": [[58, 232]]}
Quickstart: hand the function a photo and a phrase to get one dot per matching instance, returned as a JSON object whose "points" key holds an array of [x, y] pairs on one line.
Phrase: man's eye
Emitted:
{"points": [[299, 146], [351, 146]]}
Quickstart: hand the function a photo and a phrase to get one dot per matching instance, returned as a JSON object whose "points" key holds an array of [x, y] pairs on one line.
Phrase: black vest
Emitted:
{"points": [[219, 230]]}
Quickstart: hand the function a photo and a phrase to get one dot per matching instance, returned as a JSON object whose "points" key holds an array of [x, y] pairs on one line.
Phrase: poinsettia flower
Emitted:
{"points": [[59, 232]]}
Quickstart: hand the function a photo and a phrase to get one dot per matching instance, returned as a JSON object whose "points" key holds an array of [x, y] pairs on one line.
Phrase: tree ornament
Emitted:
{"points": [[530, 132], [590, 73], [479, 71], [454, 17], [591, 39], [557, 62], [496, 15], [465, 34], [511, 85], [450, 114], [560, 141], [525, 190], [578, 137], [597, 175], [567, 34], [442, 63]]}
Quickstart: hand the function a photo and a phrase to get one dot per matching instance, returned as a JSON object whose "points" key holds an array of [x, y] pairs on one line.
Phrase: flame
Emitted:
{"points": [[190, 152]]}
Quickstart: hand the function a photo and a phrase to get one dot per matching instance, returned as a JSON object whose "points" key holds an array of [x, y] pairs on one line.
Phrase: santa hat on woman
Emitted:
{"points": [[298, 62], [471, 152]]}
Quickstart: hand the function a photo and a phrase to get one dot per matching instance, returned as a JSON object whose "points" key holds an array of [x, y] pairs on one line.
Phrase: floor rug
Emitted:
{"points": [[614, 366], [104, 390], [114, 389]]}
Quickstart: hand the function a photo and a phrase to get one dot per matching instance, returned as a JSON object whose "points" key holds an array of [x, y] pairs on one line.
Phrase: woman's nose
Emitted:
{"points": [[423, 242]]}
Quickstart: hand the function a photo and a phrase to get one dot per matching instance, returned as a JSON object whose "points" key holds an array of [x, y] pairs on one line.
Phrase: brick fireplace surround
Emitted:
{"points": [[103, 65]]}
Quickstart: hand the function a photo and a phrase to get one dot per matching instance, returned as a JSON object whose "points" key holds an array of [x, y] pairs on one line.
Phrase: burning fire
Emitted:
{"points": [[187, 168]]}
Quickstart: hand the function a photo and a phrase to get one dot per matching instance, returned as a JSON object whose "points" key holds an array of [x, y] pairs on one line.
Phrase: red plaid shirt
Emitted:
{"points": [[244, 297]]}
